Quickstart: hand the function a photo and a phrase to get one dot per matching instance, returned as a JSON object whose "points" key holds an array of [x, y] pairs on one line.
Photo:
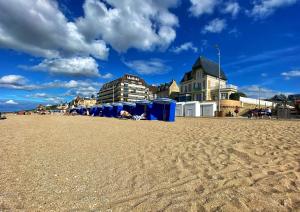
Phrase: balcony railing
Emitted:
{"points": [[229, 86]]}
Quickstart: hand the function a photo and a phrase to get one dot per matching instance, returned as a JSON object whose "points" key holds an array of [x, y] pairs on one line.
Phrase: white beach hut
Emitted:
{"points": [[180, 108], [207, 109], [192, 109]]}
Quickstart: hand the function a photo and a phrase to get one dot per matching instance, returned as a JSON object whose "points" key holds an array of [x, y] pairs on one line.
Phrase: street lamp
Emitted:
{"points": [[219, 90]]}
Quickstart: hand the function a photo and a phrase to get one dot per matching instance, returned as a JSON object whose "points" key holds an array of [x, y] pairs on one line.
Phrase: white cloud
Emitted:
{"points": [[11, 102], [127, 24], [73, 87], [264, 74], [16, 82], [235, 32], [12, 79], [185, 47], [40, 95], [232, 8], [200, 7], [254, 91], [148, 67], [76, 66], [215, 26], [289, 74], [41, 29], [265, 8]]}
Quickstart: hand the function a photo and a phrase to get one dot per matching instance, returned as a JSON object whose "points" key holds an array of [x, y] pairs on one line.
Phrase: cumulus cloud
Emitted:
{"points": [[127, 24], [215, 26], [265, 8], [148, 67], [11, 102], [288, 75], [16, 82], [232, 8], [13, 79], [184, 47], [200, 7], [73, 87], [77, 66], [41, 29]]}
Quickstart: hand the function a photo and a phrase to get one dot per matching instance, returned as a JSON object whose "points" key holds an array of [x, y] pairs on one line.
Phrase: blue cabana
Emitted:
{"points": [[107, 110], [129, 107], [117, 107], [92, 111], [145, 107], [164, 109], [81, 110], [96, 110]]}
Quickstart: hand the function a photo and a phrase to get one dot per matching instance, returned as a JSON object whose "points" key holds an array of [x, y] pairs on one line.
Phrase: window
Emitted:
{"points": [[199, 85], [224, 96], [194, 85], [190, 88], [185, 89], [199, 97]]}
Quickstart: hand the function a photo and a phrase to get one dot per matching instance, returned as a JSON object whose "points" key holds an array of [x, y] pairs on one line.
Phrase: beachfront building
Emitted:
{"points": [[83, 101], [202, 82], [129, 88], [167, 90]]}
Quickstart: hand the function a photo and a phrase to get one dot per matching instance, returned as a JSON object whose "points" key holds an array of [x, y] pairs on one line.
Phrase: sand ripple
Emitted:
{"points": [[82, 163]]}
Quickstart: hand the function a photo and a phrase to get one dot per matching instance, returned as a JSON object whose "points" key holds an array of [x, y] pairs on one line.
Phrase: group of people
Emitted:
{"points": [[126, 115], [260, 113]]}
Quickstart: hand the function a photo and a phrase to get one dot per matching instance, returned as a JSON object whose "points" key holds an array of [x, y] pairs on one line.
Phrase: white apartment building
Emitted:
{"points": [[128, 88]]}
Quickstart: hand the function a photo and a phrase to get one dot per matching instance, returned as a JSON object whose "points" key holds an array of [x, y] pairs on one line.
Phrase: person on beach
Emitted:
{"points": [[269, 113], [255, 112], [125, 114], [237, 110]]}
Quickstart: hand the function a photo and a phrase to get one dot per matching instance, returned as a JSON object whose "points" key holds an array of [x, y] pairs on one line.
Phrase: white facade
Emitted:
{"points": [[208, 109], [192, 109], [180, 108], [196, 109], [257, 102]]}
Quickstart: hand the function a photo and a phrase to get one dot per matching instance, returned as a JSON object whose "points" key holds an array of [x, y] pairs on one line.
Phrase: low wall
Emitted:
{"points": [[256, 102], [229, 106]]}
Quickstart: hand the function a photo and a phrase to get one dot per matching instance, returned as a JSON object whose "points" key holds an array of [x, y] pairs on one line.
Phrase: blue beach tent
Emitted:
{"points": [[117, 107], [164, 109], [144, 106], [108, 110], [129, 107], [81, 110], [92, 111], [96, 110]]}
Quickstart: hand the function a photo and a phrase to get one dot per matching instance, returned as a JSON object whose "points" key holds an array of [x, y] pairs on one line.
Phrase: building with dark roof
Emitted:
{"points": [[202, 82]]}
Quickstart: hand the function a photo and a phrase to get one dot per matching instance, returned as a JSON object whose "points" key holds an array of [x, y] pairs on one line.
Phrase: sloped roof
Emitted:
{"points": [[188, 75], [208, 66]]}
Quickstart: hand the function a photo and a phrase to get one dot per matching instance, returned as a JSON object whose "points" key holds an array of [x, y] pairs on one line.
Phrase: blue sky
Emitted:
{"points": [[51, 51]]}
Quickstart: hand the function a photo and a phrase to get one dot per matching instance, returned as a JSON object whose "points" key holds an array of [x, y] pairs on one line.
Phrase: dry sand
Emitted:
{"points": [[82, 163]]}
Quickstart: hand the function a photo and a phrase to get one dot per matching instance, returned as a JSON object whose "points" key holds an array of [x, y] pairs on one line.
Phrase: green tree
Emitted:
{"points": [[237, 95]]}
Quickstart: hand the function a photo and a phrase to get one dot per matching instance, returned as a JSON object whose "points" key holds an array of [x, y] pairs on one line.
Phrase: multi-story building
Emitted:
{"points": [[128, 88], [167, 90], [202, 82], [83, 101]]}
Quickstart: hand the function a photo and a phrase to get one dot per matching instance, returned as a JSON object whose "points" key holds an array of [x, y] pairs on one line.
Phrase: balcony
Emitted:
{"points": [[229, 86], [197, 89]]}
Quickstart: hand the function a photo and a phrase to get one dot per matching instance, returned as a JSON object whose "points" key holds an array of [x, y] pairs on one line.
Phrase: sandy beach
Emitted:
{"points": [[78, 163]]}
